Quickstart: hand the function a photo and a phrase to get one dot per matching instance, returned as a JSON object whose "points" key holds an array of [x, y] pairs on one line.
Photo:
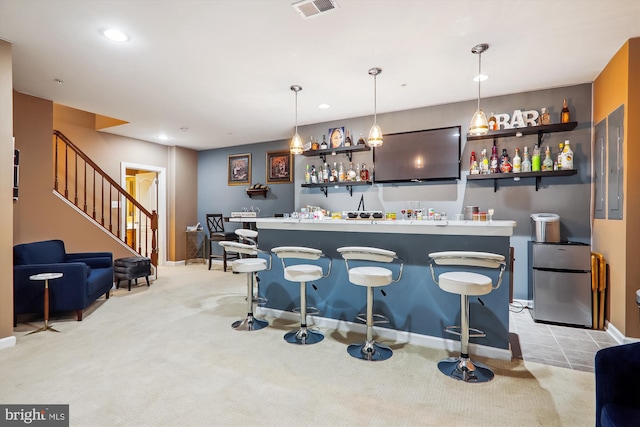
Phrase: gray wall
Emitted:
{"points": [[570, 197], [215, 196]]}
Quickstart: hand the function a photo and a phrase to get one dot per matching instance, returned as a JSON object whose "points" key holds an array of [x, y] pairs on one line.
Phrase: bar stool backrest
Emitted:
{"points": [[247, 236], [363, 253], [475, 259], [241, 248], [300, 252]]}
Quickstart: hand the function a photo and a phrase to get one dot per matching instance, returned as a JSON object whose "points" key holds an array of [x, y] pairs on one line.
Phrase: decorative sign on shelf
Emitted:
{"points": [[519, 119]]}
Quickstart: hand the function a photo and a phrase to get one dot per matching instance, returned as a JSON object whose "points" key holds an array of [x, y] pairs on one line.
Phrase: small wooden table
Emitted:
{"points": [[46, 277]]}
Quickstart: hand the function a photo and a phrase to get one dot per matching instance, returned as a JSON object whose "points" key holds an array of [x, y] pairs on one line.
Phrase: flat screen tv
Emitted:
{"points": [[424, 155]]}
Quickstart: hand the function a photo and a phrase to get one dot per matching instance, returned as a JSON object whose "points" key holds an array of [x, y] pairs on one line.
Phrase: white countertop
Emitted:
{"points": [[469, 228]]}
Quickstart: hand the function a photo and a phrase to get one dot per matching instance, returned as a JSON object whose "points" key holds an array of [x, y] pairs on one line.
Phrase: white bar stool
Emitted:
{"points": [[302, 273], [465, 283], [250, 266], [370, 277]]}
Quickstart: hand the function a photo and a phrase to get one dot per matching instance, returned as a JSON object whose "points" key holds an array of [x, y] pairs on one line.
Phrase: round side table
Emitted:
{"points": [[46, 277]]}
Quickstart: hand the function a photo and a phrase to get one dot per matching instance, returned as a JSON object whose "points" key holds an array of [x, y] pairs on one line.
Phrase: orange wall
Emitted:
{"points": [[6, 194], [617, 239]]}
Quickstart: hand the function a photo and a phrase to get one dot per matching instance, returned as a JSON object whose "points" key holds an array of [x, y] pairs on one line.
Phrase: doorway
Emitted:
{"points": [[148, 185]]}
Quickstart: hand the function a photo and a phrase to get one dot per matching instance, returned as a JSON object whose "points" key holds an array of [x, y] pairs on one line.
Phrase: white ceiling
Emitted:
{"points": [[223, 68]]}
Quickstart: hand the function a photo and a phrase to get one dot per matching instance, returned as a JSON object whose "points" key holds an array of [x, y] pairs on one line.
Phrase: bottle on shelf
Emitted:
{"points": [[494, 162], [314, 143], [526, 161], [474, 169], [333, 176], [361, 140], [547, 164], [323, 146], [484, 162], [567, 156], [325, 173], [517, 162], [364, 173], [351, 173], [505, 162], [347, 141], [307, 175], [565, 116], [493, 123], [358, 176], [535, 159], [545, 117], [314, 176], [559, 158], [341, 175]]}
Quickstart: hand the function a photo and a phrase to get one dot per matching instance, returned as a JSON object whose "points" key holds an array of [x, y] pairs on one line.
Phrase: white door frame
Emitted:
{"points": [[162, 202]]}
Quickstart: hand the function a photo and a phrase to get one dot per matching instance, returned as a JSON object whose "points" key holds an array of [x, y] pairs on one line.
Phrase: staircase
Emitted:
{"points": [[81, 182]]}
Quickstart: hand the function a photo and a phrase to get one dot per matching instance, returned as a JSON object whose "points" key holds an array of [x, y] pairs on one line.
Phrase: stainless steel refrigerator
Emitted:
{"points": [[562, 283]]}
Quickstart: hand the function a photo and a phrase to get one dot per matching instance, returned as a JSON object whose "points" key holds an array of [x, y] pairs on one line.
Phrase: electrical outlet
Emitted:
{"points": [[115, 204]]}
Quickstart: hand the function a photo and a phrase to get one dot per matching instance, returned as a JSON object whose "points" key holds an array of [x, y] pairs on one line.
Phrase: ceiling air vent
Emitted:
{"points": [[311, 8]]}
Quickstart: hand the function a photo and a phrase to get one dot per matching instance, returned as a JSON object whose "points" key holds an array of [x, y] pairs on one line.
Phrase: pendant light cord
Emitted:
{"points": [[479, 76], [375, 98]]}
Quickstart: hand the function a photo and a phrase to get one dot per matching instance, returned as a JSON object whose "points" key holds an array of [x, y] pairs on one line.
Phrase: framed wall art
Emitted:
{"points": [[239, 169], [336, 137], [279, 167]]}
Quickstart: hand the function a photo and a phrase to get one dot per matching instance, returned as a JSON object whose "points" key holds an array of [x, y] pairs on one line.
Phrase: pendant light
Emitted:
{"points": [[296, 146], [375, 134], [479, 124]]}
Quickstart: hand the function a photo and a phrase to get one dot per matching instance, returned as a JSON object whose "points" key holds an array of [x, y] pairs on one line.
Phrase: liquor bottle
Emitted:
{"points": [[474, 169], [494, 162], [314, 143], [559, 159], [517, 162], [526, 162], [567, 156], [307, 176], [565, 117], [314, 176], [358, 176], [323, 146], [325, 173], [484, 162], [536, 162], [351, 173], [347, 141], [364, 173], [341, 175], [333, 173], [545, 117], [361, 140], [547, 164], [505, 162], [493, 123]]}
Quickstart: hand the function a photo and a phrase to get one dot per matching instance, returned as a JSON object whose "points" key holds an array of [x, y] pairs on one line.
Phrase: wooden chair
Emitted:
{"points": [[215, 224]]}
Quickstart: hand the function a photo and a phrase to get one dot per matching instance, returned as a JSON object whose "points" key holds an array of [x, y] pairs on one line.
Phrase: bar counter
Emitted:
{"points": [[417, 308]]}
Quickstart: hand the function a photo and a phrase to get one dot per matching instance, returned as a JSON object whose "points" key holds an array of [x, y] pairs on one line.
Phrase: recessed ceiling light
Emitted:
{"points": [[184, 128], [163, 137], [115, 35], [324, 106], [480, 78]]}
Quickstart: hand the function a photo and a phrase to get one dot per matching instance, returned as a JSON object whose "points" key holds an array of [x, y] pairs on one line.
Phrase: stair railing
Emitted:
{"points": [[82, 182]]}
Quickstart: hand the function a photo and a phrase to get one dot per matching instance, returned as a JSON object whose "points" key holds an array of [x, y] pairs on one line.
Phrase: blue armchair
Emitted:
{"points": [[86, 276], [617, 372]]}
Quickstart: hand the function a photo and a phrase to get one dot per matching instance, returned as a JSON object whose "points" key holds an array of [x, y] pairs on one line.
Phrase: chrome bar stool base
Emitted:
{"points": [[304, 336], [370, 350], [249, 323], [464, 369]]}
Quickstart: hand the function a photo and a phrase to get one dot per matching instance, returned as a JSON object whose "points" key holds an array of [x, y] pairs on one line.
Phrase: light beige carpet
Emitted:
{"points": [[167, 356]]}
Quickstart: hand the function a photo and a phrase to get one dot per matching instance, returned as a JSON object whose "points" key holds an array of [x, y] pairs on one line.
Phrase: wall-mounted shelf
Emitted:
{"points": [[529, 130], [537, 175], [257, 192], [333, 151], [324, 187]]}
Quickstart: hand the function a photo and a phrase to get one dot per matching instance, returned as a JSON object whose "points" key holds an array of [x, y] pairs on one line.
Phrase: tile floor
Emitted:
{"points": [[564, 346]]}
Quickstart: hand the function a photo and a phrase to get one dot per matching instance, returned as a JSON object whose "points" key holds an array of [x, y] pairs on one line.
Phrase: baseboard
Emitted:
{"points": [[617, 335], [451, 346], [7, 342]]}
